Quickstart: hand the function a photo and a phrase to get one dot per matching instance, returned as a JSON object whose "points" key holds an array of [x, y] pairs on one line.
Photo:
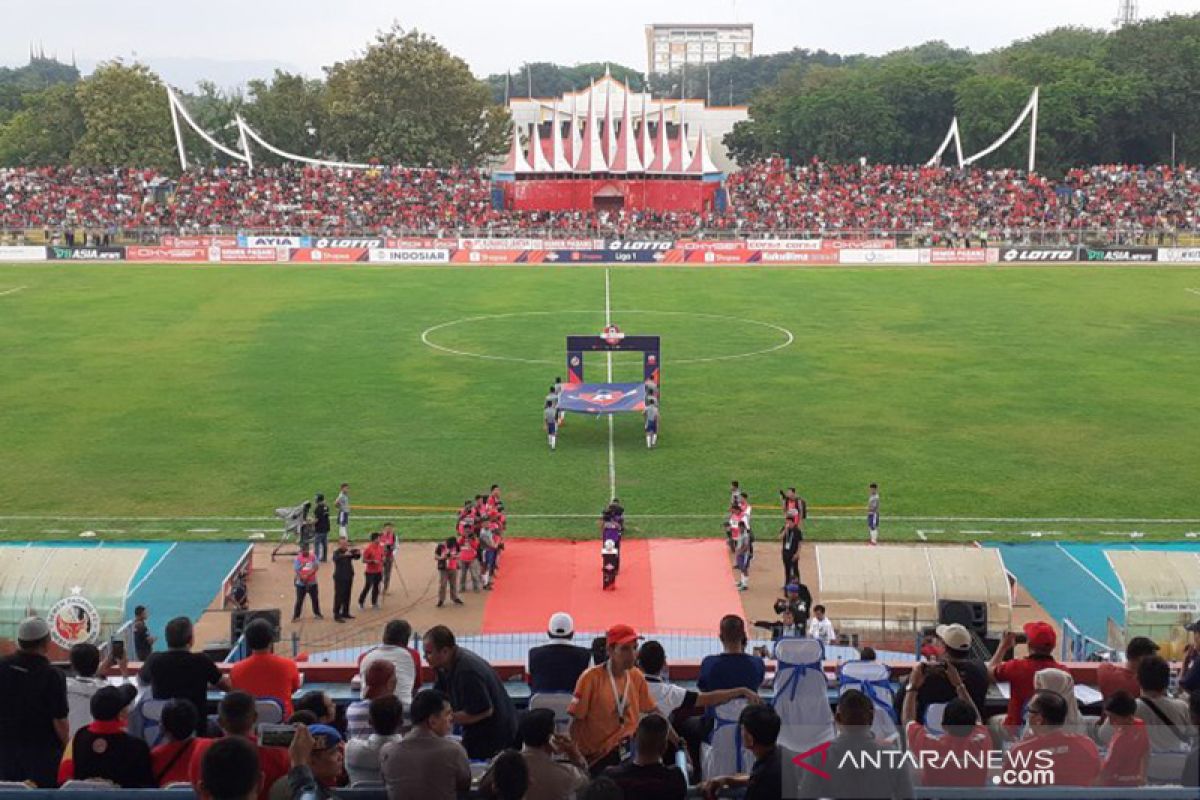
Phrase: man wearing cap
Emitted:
{"points": [[1113, 678], [609, 700], [33, 709], [1019, 672], [379, 680], [104, 750], [557, 665], [316, 757], [937, 686], [481, 705], [1189, 679]]}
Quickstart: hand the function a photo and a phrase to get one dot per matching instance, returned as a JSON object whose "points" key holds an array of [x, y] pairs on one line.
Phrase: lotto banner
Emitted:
{"points": [[327, 243], [164, 253], [1038, 255], [329, 255]]}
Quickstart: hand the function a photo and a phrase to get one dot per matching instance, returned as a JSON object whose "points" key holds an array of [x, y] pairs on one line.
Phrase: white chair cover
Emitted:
{"points": [[558, 702], [934, 712], [270, 712], [146, 720], [874, 679], [800, 694], [723, 753]]}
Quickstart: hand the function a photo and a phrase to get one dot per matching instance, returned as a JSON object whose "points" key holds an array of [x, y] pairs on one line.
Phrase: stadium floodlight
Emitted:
{"points": [[248, 132], [179, 109], [1030, 111]]}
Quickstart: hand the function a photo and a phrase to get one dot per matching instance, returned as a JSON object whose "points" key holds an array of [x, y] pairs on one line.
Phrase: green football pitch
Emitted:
{"points": [[160, 401]]}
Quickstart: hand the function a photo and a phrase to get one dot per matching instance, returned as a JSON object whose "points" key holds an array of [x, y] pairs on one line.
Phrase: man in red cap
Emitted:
{"points": [[1040, 639], [609, 700]]}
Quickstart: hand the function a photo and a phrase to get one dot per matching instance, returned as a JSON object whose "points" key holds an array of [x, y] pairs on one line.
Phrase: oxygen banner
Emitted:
{"points": [[177, 254], [85, 253]]}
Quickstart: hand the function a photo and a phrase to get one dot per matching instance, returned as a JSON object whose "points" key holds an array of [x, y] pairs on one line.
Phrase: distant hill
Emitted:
{"points": [[38, 74]]}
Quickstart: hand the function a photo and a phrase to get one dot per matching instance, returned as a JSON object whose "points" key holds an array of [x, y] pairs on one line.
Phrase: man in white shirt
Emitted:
{"points": [[820, 628], [362, 755], [396, 636], [669, 697], [85, 663]]}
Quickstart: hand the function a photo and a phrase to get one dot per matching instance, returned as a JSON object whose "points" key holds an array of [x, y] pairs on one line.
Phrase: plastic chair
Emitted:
{"points": [[7, 785], [723, 752], [92, 784], [874, 679], [801, 698], [270, 710], [146, 720], [934, 713], [558, 702]]}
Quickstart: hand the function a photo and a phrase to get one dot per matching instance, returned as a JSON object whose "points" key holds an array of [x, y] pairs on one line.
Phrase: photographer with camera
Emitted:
{"points": [[937, 684], [784, 626], [1040, 638], [343, 578]]}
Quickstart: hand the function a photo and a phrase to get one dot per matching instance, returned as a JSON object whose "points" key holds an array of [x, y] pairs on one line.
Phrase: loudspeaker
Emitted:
{"points": [[239, 619], [971, 615]]}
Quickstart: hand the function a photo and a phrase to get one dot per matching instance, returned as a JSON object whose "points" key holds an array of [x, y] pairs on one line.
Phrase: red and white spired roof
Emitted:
{"points": [[610, 129]]}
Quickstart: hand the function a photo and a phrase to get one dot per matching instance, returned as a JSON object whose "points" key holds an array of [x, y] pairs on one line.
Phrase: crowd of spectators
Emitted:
{"points": [[629, 732], [769, 196]]}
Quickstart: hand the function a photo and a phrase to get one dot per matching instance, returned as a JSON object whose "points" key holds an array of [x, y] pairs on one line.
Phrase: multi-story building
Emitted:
{"points": [[670, 47]]}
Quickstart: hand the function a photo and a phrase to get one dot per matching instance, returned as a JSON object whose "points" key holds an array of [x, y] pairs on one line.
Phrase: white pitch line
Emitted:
{"points": [[157, 564], [612, 456], [13, 291], [1014, 520], [204, 530], [1193, 291], [1091, 574]]}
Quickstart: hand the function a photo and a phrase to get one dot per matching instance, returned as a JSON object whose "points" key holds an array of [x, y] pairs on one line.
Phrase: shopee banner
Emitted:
{"points": [[140, 253], [741, 255], [492, 256], [198, 241], [329, 255]]}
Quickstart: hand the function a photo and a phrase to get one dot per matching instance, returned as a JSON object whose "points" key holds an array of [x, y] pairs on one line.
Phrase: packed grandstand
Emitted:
{"points": [[1151, 205]]}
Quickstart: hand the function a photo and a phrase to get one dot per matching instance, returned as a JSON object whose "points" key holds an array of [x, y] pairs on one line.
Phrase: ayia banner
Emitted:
{"points": [[274, 241]]}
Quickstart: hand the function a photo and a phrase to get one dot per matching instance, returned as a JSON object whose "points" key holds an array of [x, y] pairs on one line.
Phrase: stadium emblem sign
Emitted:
{"points": [[1038, 254], [74, 620], [617, 244], [612, 335]]}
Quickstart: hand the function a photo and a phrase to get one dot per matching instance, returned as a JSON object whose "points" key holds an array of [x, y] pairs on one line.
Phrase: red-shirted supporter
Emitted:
{"points": [[1129, 747], [1113, 678], [963, 745], [263, 674], [1072, 758], [171, 760], [1019, 672], [237, 717]]}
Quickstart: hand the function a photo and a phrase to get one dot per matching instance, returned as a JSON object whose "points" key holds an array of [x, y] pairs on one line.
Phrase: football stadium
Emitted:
{"points": [[831, 434]]}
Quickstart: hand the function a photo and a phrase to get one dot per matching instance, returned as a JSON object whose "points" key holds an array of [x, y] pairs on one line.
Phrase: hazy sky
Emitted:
{"points": [[501, 34]]}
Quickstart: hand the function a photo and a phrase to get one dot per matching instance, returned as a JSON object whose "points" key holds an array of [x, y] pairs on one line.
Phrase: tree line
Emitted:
{"points": [[1128, 95]]}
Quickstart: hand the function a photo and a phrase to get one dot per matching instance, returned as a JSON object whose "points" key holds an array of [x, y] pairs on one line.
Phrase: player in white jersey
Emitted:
{"points": [[651, 415], [873, 514], [550, 419]]}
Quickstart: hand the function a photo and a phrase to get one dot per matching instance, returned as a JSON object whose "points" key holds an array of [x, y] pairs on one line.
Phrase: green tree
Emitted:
{"points": [[127, 122], [45, 131], [409, 101], [288, 112]]}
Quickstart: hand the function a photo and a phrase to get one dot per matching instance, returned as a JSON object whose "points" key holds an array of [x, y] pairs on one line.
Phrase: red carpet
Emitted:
{"points": [[665, 584]]}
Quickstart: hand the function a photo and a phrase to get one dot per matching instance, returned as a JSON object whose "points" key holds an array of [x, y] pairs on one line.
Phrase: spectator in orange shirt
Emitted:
{"points": [[1113, 678], [963, 734], [263, 674], [609, 700], [1074, 758], [1129, 748], [1018, 672]]}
